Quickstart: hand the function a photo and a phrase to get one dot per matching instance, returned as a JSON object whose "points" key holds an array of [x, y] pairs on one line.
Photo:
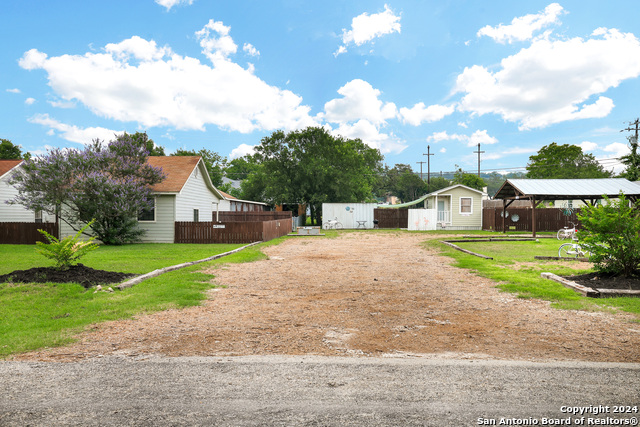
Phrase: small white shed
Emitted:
{"points": [[350, 215]]}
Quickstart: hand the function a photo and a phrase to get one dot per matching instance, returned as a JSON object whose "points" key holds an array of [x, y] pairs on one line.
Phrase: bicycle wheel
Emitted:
{"points": [[562, 234], [338, 226], [567, 251], [584, 252], [326, 226]]}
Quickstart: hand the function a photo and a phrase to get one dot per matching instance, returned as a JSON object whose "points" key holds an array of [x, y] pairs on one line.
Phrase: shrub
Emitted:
{"points": [[67, 251], [611, 233]]}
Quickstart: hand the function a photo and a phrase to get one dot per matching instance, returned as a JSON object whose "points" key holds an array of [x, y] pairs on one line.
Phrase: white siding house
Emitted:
{"points": [[15, 213], [458, 207], [186, 194]]}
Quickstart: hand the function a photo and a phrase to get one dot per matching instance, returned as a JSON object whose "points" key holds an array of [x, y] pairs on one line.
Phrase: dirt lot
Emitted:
{"points": [[362, 294]]}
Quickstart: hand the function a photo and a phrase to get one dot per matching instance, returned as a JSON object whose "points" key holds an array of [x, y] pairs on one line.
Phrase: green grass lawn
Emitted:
{"points": [[138, 258], [50, 314], [515, 268]]}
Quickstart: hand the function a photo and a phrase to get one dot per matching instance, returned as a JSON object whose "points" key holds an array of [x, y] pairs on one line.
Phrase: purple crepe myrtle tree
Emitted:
{"points": [[109, 185]]}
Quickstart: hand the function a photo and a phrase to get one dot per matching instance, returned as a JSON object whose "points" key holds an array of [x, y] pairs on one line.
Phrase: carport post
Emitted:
{"points": [[533, 215], [504, 209]]}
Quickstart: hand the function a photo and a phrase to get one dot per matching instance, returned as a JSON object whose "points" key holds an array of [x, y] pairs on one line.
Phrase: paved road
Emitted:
{"points": [[293, 391]]}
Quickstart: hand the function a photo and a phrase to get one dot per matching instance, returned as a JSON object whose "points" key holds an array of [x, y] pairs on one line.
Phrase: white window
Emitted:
{"points": [[38, 217], [466, 205], [196, 215]]}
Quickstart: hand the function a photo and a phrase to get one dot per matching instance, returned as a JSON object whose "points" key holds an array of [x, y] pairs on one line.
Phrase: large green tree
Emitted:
{"points": [[437, 183], [495, 180], [311, 167], [244, 169], [241, 167], [9, 151], [401, 181], [213, 161], [564, 161], [468, 179]]}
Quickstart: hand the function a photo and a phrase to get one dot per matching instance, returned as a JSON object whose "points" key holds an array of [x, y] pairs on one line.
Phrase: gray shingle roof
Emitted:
{"points": [[565, 189]]}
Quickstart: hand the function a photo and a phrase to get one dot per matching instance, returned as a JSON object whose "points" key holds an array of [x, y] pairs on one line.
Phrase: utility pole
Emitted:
{"points": [[421, 163], [479, 152], [429, 154], [631, 161], [636, 123], [635, 129]]}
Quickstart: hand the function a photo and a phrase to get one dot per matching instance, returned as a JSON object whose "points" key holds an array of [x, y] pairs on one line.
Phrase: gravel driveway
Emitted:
{"points": [[366, 294]]}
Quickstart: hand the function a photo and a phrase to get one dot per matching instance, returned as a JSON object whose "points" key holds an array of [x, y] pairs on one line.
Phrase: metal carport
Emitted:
{"points": [[587, 190]]}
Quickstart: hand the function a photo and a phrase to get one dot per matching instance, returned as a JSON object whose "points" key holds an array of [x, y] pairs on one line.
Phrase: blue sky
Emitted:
{"points": [[401, 75]]}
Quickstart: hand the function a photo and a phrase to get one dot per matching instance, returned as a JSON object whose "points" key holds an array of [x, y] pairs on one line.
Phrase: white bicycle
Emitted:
{"points": [[332, 224], [573, 250], [567, 233]]}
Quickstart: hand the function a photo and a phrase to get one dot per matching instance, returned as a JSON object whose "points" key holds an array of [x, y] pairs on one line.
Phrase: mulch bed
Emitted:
{"points": [[79, 273], [601, 281]]}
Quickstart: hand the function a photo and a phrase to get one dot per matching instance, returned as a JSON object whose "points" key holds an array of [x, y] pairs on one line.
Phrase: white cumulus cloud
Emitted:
{"points": [[14, 90], [587, 145], [361, 114], [168, 4], [137, 48], [137, 81], [250, 49], [481, 137], [241, 151], [30, 101], [360, 101], [365, 28], [419, 114], [478, 137], [445, 136], [553, 81], [215, 41], [523, 28], [371, 135], [74, 133], [618, 149]]}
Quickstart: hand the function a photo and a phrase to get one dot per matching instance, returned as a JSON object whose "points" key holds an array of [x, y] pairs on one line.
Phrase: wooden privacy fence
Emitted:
{"points": [[519, 219], [391, 218], [251, 216], [25, 233], [231, 232]]}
